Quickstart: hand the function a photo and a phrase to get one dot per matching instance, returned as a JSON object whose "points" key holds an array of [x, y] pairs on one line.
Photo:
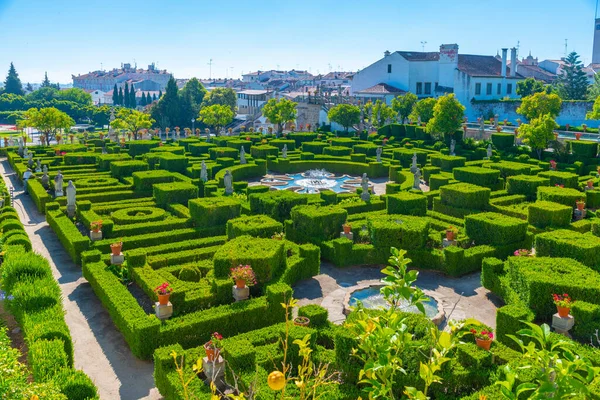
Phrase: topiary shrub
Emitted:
{"points": [[174, 193], [139, 147], [337, 151], [508, 322], [189, 274], [263, 151], [465, 195], [546, 213], [495, 229], [143, 180], [276, 204], [565, 243], [406, 203], [477, 176], [318, 315], [311, 223], [565, 196], [253, 225], [567, 179], [213, 211], [400, 231], [503, 141], [526, 185], [583, 149], [121, 169]]}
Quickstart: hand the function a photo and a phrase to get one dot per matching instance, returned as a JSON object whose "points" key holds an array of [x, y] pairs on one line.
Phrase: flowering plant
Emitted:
{"points": [[244, 273], [453, 229], [483, 335], [522, 252], [163, 289], [96, 225], [278, 236], [563, 300], [560, 186], [215, 340]]}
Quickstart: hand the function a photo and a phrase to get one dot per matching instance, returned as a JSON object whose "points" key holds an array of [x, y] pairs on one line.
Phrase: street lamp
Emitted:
{"points": [[193, 130]]}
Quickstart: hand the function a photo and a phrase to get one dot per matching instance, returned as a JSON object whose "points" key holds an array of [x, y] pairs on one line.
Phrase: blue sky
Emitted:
{"points": [[75, 36]]}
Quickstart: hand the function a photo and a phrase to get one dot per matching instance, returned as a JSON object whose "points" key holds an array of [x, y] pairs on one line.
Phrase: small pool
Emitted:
{"points": [[372, 298], [313, 181]]}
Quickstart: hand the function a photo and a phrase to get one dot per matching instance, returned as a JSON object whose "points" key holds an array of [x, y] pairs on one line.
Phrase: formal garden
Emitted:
{"points": [[195, 253]]}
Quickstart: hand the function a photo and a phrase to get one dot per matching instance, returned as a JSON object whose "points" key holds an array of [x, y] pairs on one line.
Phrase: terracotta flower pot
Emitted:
{"points": [[347, 229], [301, 321], [116, 248], [484, 344], [212, 353], [580, 205], [449, 234], [240, 283], [578, 136], [590, 184], [163, 299], [563, 312]]}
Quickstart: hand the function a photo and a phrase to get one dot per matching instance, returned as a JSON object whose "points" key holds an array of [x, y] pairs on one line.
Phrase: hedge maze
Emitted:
{"points": [[178, 228]]}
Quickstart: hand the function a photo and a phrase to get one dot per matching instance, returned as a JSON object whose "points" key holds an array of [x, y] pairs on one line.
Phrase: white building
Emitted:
{"points": [[431, 74], [556, 67], [98, 97], [249, 102]]}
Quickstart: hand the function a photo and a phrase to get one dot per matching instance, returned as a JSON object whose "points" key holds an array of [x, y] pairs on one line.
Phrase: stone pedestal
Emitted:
{"points": [[349, 236], [578, 214], [240, 294], [95, 235], [163, 311], [58, 194], [214, 371], [71, 211], [446, 243], [563, 325], [117, 260], [586, 188]]}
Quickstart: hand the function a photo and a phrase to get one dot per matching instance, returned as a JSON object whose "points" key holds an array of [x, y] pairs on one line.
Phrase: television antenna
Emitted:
{"points": [[423, 43], [210, 63]]}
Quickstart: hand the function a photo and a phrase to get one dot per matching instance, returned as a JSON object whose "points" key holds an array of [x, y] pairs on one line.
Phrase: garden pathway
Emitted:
{"points": [[100, 350], [465, 294]]}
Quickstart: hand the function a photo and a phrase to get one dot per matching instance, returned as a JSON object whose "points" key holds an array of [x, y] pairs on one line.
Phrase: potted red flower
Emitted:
{"points": [[451, 233], [590, 183], [96, 226], [213, 347], [563, 303], [116, 248], [243, 276], [580, 205], [483, 338], [347, 228], [522, 253], [164, 292], [553, 164], [578, 135]]}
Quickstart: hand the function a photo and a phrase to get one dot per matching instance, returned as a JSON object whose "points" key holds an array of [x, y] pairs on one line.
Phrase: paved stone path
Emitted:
{"points": [[100, 350], [330, 287]]}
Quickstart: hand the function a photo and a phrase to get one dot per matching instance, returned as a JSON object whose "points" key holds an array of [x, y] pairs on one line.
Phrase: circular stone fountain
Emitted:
{"points": [[369, 295], [313, 181]]}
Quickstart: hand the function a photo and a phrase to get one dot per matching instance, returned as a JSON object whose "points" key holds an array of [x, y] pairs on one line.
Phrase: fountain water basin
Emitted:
{"points": [[312, 181]]}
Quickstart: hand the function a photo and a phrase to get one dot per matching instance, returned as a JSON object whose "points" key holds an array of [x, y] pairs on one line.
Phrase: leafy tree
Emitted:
{"points": [[166, 111], [572, 83], [448, 115], [48, 120], [595, 113], [195, 91], [143, 100], [539, 104], [132, 120], [345, 114], [76, 95], [530, 86], [223, 96], [29, 88], [12, 84], [120, 102], [115, 96], [132, 99], [46, 81], [126, 96], [594, 89], [381, 113], [216, 116], [280, 112], [403, 105], [424, 109], [46, 93], [538, 132]]}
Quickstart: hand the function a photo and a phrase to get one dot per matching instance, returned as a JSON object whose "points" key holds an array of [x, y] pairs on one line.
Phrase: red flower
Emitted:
{"points": [[473, 331]]}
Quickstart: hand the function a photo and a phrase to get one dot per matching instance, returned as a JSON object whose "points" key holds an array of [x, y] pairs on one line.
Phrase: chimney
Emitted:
{"points": [[504, 56], [386, 53], [513, 62]]}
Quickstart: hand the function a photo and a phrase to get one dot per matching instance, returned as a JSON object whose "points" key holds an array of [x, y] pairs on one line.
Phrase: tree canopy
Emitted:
{"points": [[424, 109], [380, 113], [345, 114], [222, 96], [216, 116], [12, 84], [530, 86], [49, 121], [539, 104], [448, 116], [132, 120], [538, 132], [403, 105], [572, 83], [280, 112], [595, 113]]}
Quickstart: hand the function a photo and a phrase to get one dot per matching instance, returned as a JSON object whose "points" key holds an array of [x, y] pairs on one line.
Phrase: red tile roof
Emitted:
{"points": [[474, 65]]}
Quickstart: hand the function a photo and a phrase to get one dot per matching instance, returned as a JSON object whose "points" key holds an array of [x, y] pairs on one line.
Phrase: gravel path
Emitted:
{"points": [[100, 350]]}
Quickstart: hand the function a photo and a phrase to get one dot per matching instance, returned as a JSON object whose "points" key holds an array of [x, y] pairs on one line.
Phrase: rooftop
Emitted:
{"points": [[381, 88]]}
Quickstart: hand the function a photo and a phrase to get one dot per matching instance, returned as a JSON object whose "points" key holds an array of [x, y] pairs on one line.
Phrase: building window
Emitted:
{"points": [[419, 87], [427, 87], [509, 88], [499, 88], [389, 68], [478, 89], [488, 89]]}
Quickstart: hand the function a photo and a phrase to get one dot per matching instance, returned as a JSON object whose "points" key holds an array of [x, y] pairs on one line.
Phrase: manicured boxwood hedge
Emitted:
{"points": [[503, 141], [546, 213], [138, 147], [406, 203], [465, 195], [495, 229], [276, 204], [263, 151], [143, 180], [174, 193], [565, 196], [584, 149], [216, 152], [253, 225], [477, 176], [400, 231], [564, 243], [525, 184], [568, 179], [313, 223], [121, 169], [337, 151], [213, 211]]}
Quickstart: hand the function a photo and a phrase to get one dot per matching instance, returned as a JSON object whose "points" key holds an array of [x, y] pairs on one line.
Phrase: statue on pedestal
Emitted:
{"points": [[284, 151], [413, 166], [45, 179], [203, 172], [452, 147], [71, 191], [228, 181], [38, 168], [58, 185], [489, 151], [364, 184], [378, 153], [242, 155], [417, 182]]}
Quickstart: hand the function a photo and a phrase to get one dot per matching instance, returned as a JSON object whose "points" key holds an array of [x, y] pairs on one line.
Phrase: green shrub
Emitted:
{"points": [[437, 181], [526, 185], [509, 168], [47, 358], [136, 215], [220, 152], [174, 193], [276, 204], [79, 159], [214, 211], [143, 180], [173, 162], [508, 322], [406, 203], [565, 243], [465, 195], [337, 151], [139, 147], [584, 149], [199, 149], [400, 231], [314, 147], [565, 196], [312, 223], [317, 314], [447, 163], [567, 179], [253, 225], [477, 176], [279, 143], [546, 213], [495, 229], [503, 141], [121, 169]]}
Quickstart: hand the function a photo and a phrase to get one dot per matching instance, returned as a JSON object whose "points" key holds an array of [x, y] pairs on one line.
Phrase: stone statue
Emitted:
{"points": [[45, 168], [203, 172], [496, 117], [419, 120], [417, 182], [489, 151], [284, 151], [242, 155], [413, 166], [30, 160], [364, 184], [11, 141], [378, 152], [20, 146], [45, 179], [228, 181], [38, 168], [452, 147], [71, 191], [58, 185]]}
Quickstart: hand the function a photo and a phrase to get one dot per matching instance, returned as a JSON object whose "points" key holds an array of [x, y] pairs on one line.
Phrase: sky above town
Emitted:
{"points": [[74, 37]]}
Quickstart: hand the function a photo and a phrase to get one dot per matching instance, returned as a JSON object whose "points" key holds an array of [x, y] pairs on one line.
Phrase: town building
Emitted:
{"points": [[529, 68], [556, 67], [149, 79]]}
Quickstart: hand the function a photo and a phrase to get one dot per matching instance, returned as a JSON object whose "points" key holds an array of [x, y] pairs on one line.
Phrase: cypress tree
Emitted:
{"points": [[29, 87], [144, 100], [126, 95], [12, 84], [132, 100], [120, 96], [159, 94], [115, 95], [46, 82], [154, 97]]}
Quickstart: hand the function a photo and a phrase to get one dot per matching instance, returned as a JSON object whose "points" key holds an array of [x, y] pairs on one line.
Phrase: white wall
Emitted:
{"points": [[423, 71], [377, 73]]}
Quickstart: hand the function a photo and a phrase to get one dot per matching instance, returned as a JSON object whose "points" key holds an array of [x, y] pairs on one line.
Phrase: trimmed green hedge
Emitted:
{"points": [[276, 204], [565, 243], [312, 223], [406, 203], [477, 176], [495, 229], [400, 231], [565, 196], [144, 180], [546, 213], [253, 225], [503, 141], [214, 211], [174, 192], [526, 185], [569, 180], [465, 195], [121, 169], [139, 147]]}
